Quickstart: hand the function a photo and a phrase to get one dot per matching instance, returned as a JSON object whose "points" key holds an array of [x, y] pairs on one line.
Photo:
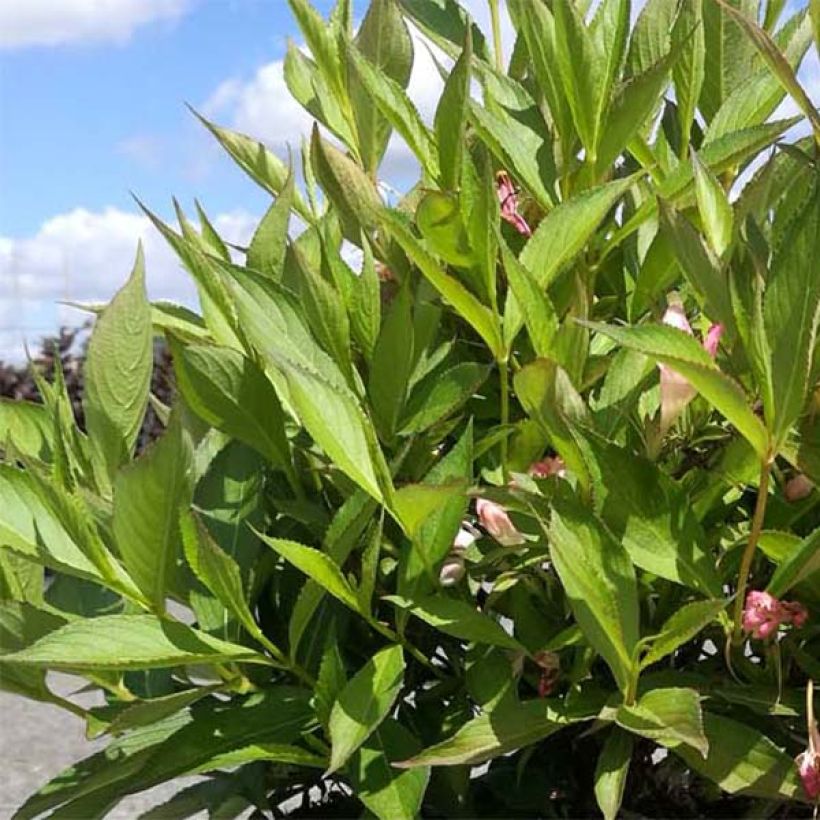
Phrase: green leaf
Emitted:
{"points": [[391, 364], [317, 391], [471, 310], [342, 536], [29, 526], [147, 712], [689, 69], [670, 716], [364, 703], [699, 266], [446, 22], [564, 232], [802, 562], [266, 253], [582, 68], [322, 44], [28, 427], [652, 517], [318, 566], [457, 618], [713, 205], [520, 144], [396, 107], [229, 392], [440, 394], [611, 771], [742, 760], [122, 642], [503, 730], [540, 317], [388, 792], [791, 314], [262, 166], [148, 497], [681, 352], [600, 584], [310, 88], [680, 628], [384, 40], [439, 221], [775, 60], [219, 572], [634, 102], [730, 56], [758, 95], [365, 305], [326, 313], [548, 396], [451, 117], [118, 373]]}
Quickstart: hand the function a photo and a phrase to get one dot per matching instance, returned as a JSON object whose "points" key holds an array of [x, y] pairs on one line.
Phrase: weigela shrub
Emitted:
{"points": [[495, 499]]}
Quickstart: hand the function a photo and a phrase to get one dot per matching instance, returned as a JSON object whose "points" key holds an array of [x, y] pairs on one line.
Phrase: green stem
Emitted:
{"points": [[504, 381], [751, 546], [496, 24]]}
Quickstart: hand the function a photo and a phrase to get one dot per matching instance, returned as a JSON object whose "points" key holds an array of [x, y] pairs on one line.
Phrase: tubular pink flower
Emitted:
{"points": [[494, 519], [509, 204], [554, 465], [797, 613], [808, 762], [676, 392]]}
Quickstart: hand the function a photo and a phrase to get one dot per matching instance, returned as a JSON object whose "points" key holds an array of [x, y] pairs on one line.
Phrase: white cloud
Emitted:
{"points": [[54, 22], [86, 256]]}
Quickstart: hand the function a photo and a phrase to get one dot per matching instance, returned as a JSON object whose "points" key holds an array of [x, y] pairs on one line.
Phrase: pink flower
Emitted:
{"points": [[676, 392], [509, 204], [764, 614], [798, 488], [808, 762], [797, 613], [452, 571], [494, 519], [554, 465]]}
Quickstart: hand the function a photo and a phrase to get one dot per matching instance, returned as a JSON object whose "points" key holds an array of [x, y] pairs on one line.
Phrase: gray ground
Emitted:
{"points": [[38, 740]]}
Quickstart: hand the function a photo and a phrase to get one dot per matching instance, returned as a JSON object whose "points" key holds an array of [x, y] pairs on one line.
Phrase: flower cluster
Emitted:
{"points": [[764, 614]]}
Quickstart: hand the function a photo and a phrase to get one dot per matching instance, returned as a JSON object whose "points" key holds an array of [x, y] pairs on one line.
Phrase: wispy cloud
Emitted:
{"points": [[55, 22]]}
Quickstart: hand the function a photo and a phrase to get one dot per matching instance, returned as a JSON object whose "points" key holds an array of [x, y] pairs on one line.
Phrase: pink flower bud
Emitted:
{"points": [[509, 204], [808, 763], [494, 519], [452, 571], [554, 465], [798, 488], [808, 769], [797, 613], [712, 340]]}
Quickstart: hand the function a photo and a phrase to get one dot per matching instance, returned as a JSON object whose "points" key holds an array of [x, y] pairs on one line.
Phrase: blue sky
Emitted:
{"points": [[92, 99]]}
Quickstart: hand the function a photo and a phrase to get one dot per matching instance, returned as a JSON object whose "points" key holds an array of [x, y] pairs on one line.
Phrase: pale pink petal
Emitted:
{"points": [[675, 316], [496, 521], [712, 340], [452, 571]]}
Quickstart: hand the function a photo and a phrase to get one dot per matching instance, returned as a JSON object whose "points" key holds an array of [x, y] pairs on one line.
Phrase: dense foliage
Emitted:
{"points": [[517, 518]]}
